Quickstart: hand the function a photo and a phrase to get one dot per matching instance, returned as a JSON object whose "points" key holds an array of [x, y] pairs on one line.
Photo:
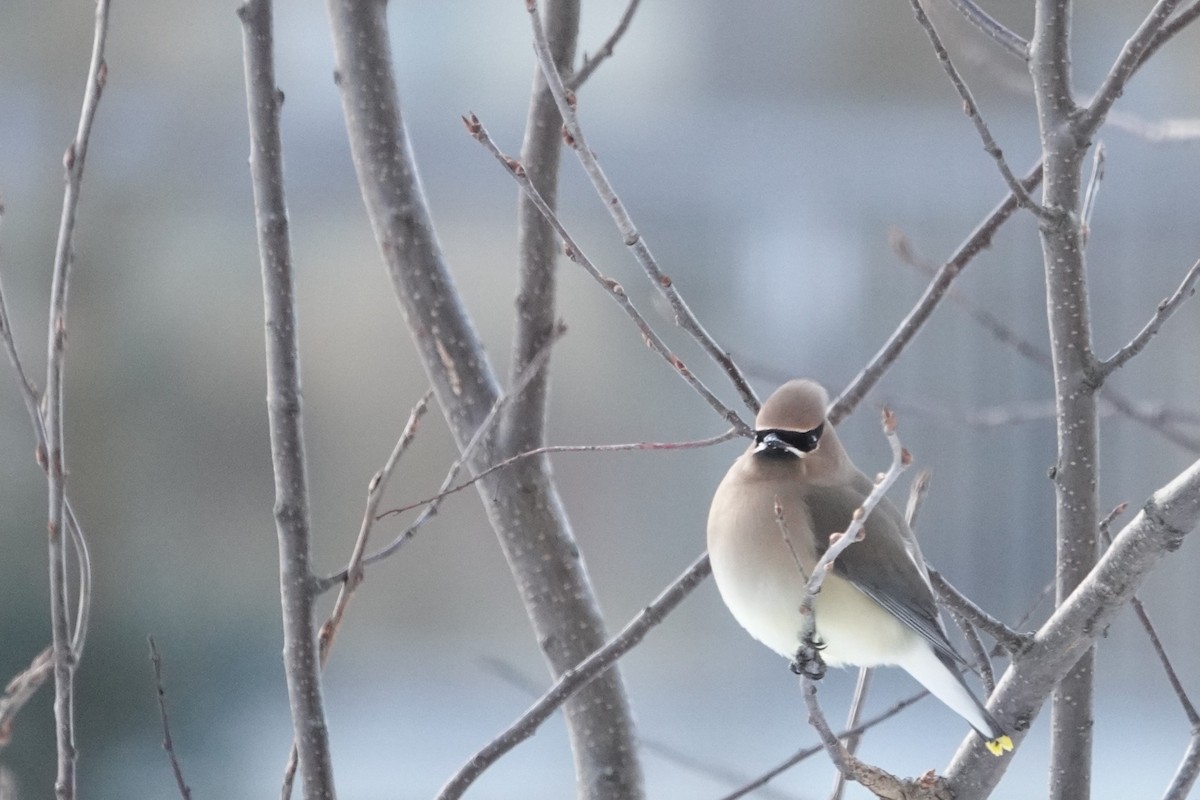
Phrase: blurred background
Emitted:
{"points": [[766, 150]]}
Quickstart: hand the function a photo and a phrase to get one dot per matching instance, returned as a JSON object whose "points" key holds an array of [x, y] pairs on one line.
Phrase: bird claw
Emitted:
{"points": [[807, 663]]}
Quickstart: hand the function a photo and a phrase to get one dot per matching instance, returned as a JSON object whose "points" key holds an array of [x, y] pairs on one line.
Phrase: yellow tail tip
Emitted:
{"points": [[1000, 745]]}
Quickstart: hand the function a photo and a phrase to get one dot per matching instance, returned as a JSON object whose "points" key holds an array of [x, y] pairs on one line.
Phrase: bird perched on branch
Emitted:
{"points": [[771, 520]]}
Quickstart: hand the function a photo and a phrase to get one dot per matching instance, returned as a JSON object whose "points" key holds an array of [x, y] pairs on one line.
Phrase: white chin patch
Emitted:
{"points": [[766, 448]]}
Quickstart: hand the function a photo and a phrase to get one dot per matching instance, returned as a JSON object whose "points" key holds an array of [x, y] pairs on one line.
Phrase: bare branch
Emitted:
{"points": [[1165, 309], [1075, 473], [629, 232], [1166, 518], [606, 50], [297, 582], [979, 239], [28, 391], [1089, 194], [1185, 775], [375, 489], [971, 109], [1189, 709], [575, 679], [1170, 29], [808, 752], [1132, 56], [706, 766], [614, 289], [523, 504], [26, 684], [916, 497], [881, 783], [62, 643], [466, 454], [509, 673], [838, 542], [9, 788], [1050, 62], [21, 689], [983, 661], [1157, 419], [1010, 41], [853, 717], [354, 570], [523, 424], [1160, 650], [167, 743], [959, 603], [567, 448]]}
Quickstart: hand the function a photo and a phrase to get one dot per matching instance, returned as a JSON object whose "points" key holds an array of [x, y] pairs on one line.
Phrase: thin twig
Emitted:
{"points": [[524, 508], [1006, 38], [877, 780], [28, 391], [805, 753], [614, 289], [979, 239], [1139, 608], [576, 678], [1027, 411], [375, 489], [853, 717], [959, 603], [880, 782], [917, 491], [916, 497], [707, 767], [508, 673], [1132, 56], [354, 570], [31, 679], [971, 109], [1089, 194], [481, 433], [56, 343], [298, 585], [21, 689], [1164, 311], [567, 448], [983, 662], [855, 530], [1109, 519], [167, 743], [629, 232], [1184, 778], [1169, 30], [1155, 419], [606, 50]]}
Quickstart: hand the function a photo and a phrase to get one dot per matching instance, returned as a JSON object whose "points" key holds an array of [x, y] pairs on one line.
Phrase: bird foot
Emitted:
{"points": [[807, 663]]}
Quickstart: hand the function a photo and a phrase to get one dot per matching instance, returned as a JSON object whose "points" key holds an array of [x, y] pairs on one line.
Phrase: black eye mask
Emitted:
{"points": [[804, 441]]}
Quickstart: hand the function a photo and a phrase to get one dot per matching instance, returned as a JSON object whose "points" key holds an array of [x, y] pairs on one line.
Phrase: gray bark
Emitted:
{"points": [[522, 502]]}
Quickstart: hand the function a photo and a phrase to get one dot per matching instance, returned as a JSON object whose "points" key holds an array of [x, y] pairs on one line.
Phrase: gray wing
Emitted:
{"points": [[880, 565]]}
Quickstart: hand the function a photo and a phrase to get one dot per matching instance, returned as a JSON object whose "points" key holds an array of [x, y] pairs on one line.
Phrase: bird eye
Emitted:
{"points": [[804, 441]]}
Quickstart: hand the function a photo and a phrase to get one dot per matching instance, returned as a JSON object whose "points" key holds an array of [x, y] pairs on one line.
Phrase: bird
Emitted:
{"points": [[771, 520]]}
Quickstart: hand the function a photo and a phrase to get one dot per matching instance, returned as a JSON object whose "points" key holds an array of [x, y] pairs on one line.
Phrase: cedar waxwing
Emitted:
{"points": [[876, 606]]}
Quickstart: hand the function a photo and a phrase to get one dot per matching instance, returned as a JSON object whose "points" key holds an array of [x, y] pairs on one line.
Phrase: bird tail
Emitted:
{"points": [[939, 674]]}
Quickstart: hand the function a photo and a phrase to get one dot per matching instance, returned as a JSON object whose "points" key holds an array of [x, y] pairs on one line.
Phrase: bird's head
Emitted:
{"points": [[791, 424]]}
